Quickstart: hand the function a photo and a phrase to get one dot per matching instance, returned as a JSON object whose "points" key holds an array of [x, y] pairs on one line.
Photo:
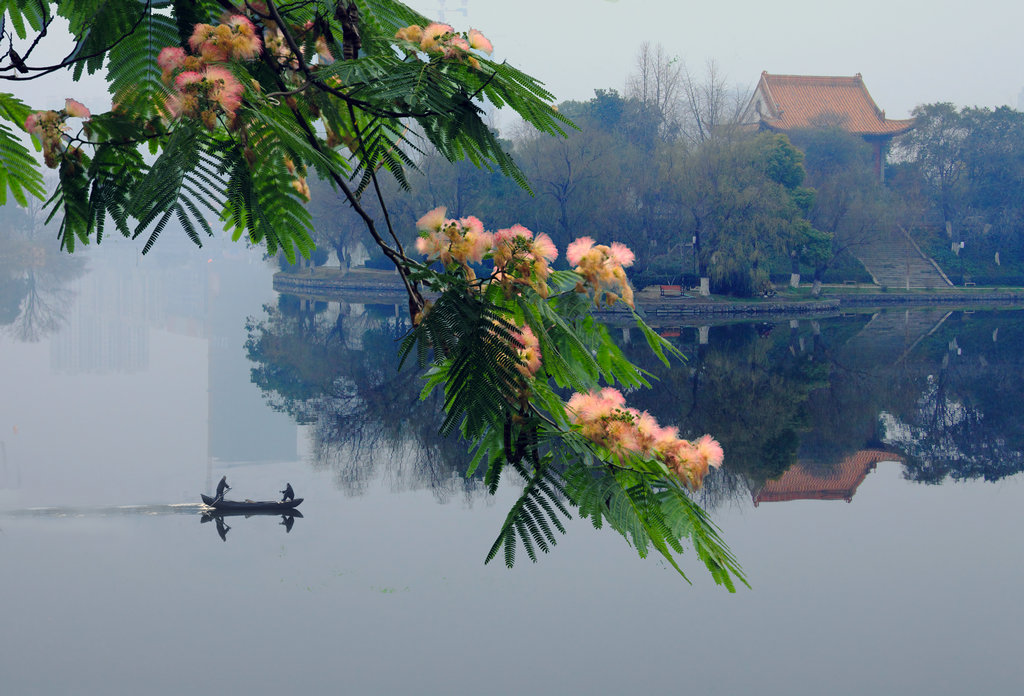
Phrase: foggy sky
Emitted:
{"points": [[909, 53]]}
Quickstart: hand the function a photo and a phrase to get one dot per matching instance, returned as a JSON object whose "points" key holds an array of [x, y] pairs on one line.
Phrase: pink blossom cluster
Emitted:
{"points": [[443, 40], [462, 241], [201, 90], [278, 47], [522, 257], [519, 256], [602, 417], [603, 267], [49, 128], [235, 38]]}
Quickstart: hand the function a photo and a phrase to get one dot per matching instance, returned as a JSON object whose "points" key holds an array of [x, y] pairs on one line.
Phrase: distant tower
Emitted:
{"points": [[1020, 100], [453, 6]]}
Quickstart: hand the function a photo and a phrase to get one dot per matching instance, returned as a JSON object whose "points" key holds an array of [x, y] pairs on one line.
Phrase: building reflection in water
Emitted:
{"points": [[838, 482]]}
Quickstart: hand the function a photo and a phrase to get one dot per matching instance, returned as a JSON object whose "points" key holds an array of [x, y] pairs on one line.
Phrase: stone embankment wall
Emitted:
{"points": [[667, 308], [386, 288], [327, 289], [948, 297]]}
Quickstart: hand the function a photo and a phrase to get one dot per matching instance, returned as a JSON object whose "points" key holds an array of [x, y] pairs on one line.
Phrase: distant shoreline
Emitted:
{"points": [[371, 286]]}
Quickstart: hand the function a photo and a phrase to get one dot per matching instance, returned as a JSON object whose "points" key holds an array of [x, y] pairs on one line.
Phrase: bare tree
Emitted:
{"points": [[567, 171], [657, 83], [712, 107]]}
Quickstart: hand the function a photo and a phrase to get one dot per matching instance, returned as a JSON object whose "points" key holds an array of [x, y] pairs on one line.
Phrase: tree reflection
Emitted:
{"points": [[749, 385], [941, 398], [34, 276], [962, 422], [334, 369]]}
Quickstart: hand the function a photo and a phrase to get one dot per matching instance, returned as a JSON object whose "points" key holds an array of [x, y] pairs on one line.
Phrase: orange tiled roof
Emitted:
{"points": [[807, 101], [839, 484]]}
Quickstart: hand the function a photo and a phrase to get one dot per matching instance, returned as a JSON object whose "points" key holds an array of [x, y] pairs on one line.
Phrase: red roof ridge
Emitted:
{"points": [[795, 102]]}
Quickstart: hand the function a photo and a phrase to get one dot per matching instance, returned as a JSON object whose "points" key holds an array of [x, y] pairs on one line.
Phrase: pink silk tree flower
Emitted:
{"points": [[76, 109], [433, 220], [710, 451], [576, 250], [480, 42]]}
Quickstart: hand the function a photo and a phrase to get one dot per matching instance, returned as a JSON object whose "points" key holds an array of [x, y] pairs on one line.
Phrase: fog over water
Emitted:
{"points": [[872, 490], [112, 424]]}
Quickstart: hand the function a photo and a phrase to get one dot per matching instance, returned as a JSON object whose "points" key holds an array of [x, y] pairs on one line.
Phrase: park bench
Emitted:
{"points": [[671, 290]]}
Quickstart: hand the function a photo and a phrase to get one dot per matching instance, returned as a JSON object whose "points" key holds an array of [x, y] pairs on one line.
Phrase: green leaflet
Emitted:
{"points": [[19, 172], [386, 17], [99, 26], [652, 511], [658, 344], [264, 205], [179, 178], [25, 15], [72, 199], [533, 515], [133, 74], [273, 136], [380, 145]]}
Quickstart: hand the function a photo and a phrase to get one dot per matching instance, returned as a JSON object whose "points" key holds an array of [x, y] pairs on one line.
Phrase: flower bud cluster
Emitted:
{"points": [[442, 40], [50, 128], [603, 418], [528, 352], [298, 182]]}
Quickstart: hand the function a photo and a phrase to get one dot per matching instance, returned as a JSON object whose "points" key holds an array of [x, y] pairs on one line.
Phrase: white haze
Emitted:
{"points": [[909, 53]]}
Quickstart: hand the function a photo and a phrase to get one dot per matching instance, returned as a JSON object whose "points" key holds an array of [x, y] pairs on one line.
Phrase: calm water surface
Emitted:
{"points": [[131, 390]]}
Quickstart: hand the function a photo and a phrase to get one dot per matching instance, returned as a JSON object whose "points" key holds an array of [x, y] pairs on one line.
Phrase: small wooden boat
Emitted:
{"points": [[272, 506]]}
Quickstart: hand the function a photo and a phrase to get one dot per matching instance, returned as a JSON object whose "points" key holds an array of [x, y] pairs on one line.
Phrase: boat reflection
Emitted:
{"points": [[217, 516]]}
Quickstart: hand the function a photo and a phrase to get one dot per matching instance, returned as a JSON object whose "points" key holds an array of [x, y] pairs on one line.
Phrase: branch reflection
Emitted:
{"points": [[335, 370], [34, 276]]}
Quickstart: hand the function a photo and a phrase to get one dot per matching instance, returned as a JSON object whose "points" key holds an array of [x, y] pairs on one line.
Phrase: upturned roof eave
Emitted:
{"points": [[890, 128]]}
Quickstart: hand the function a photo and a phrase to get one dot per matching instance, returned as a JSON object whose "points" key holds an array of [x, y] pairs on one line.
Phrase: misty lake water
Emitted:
{"points": [[871, 494]]}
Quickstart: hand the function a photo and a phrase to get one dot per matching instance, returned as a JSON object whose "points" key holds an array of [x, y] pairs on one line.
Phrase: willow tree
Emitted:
{"points": [[220, 112], [746, 207]]}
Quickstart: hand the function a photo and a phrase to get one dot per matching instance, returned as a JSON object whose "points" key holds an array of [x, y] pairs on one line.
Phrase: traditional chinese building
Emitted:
{"points": [[839, 482], [787, 103]]}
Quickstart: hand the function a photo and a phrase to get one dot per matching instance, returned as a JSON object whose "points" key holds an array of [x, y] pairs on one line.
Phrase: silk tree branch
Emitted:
{"points": [[397, 257], [18, 62], [312, 78]]}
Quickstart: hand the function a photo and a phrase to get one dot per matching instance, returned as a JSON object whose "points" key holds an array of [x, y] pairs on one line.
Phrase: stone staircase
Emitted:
{"points": [[895, 261], [890, 335]]}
